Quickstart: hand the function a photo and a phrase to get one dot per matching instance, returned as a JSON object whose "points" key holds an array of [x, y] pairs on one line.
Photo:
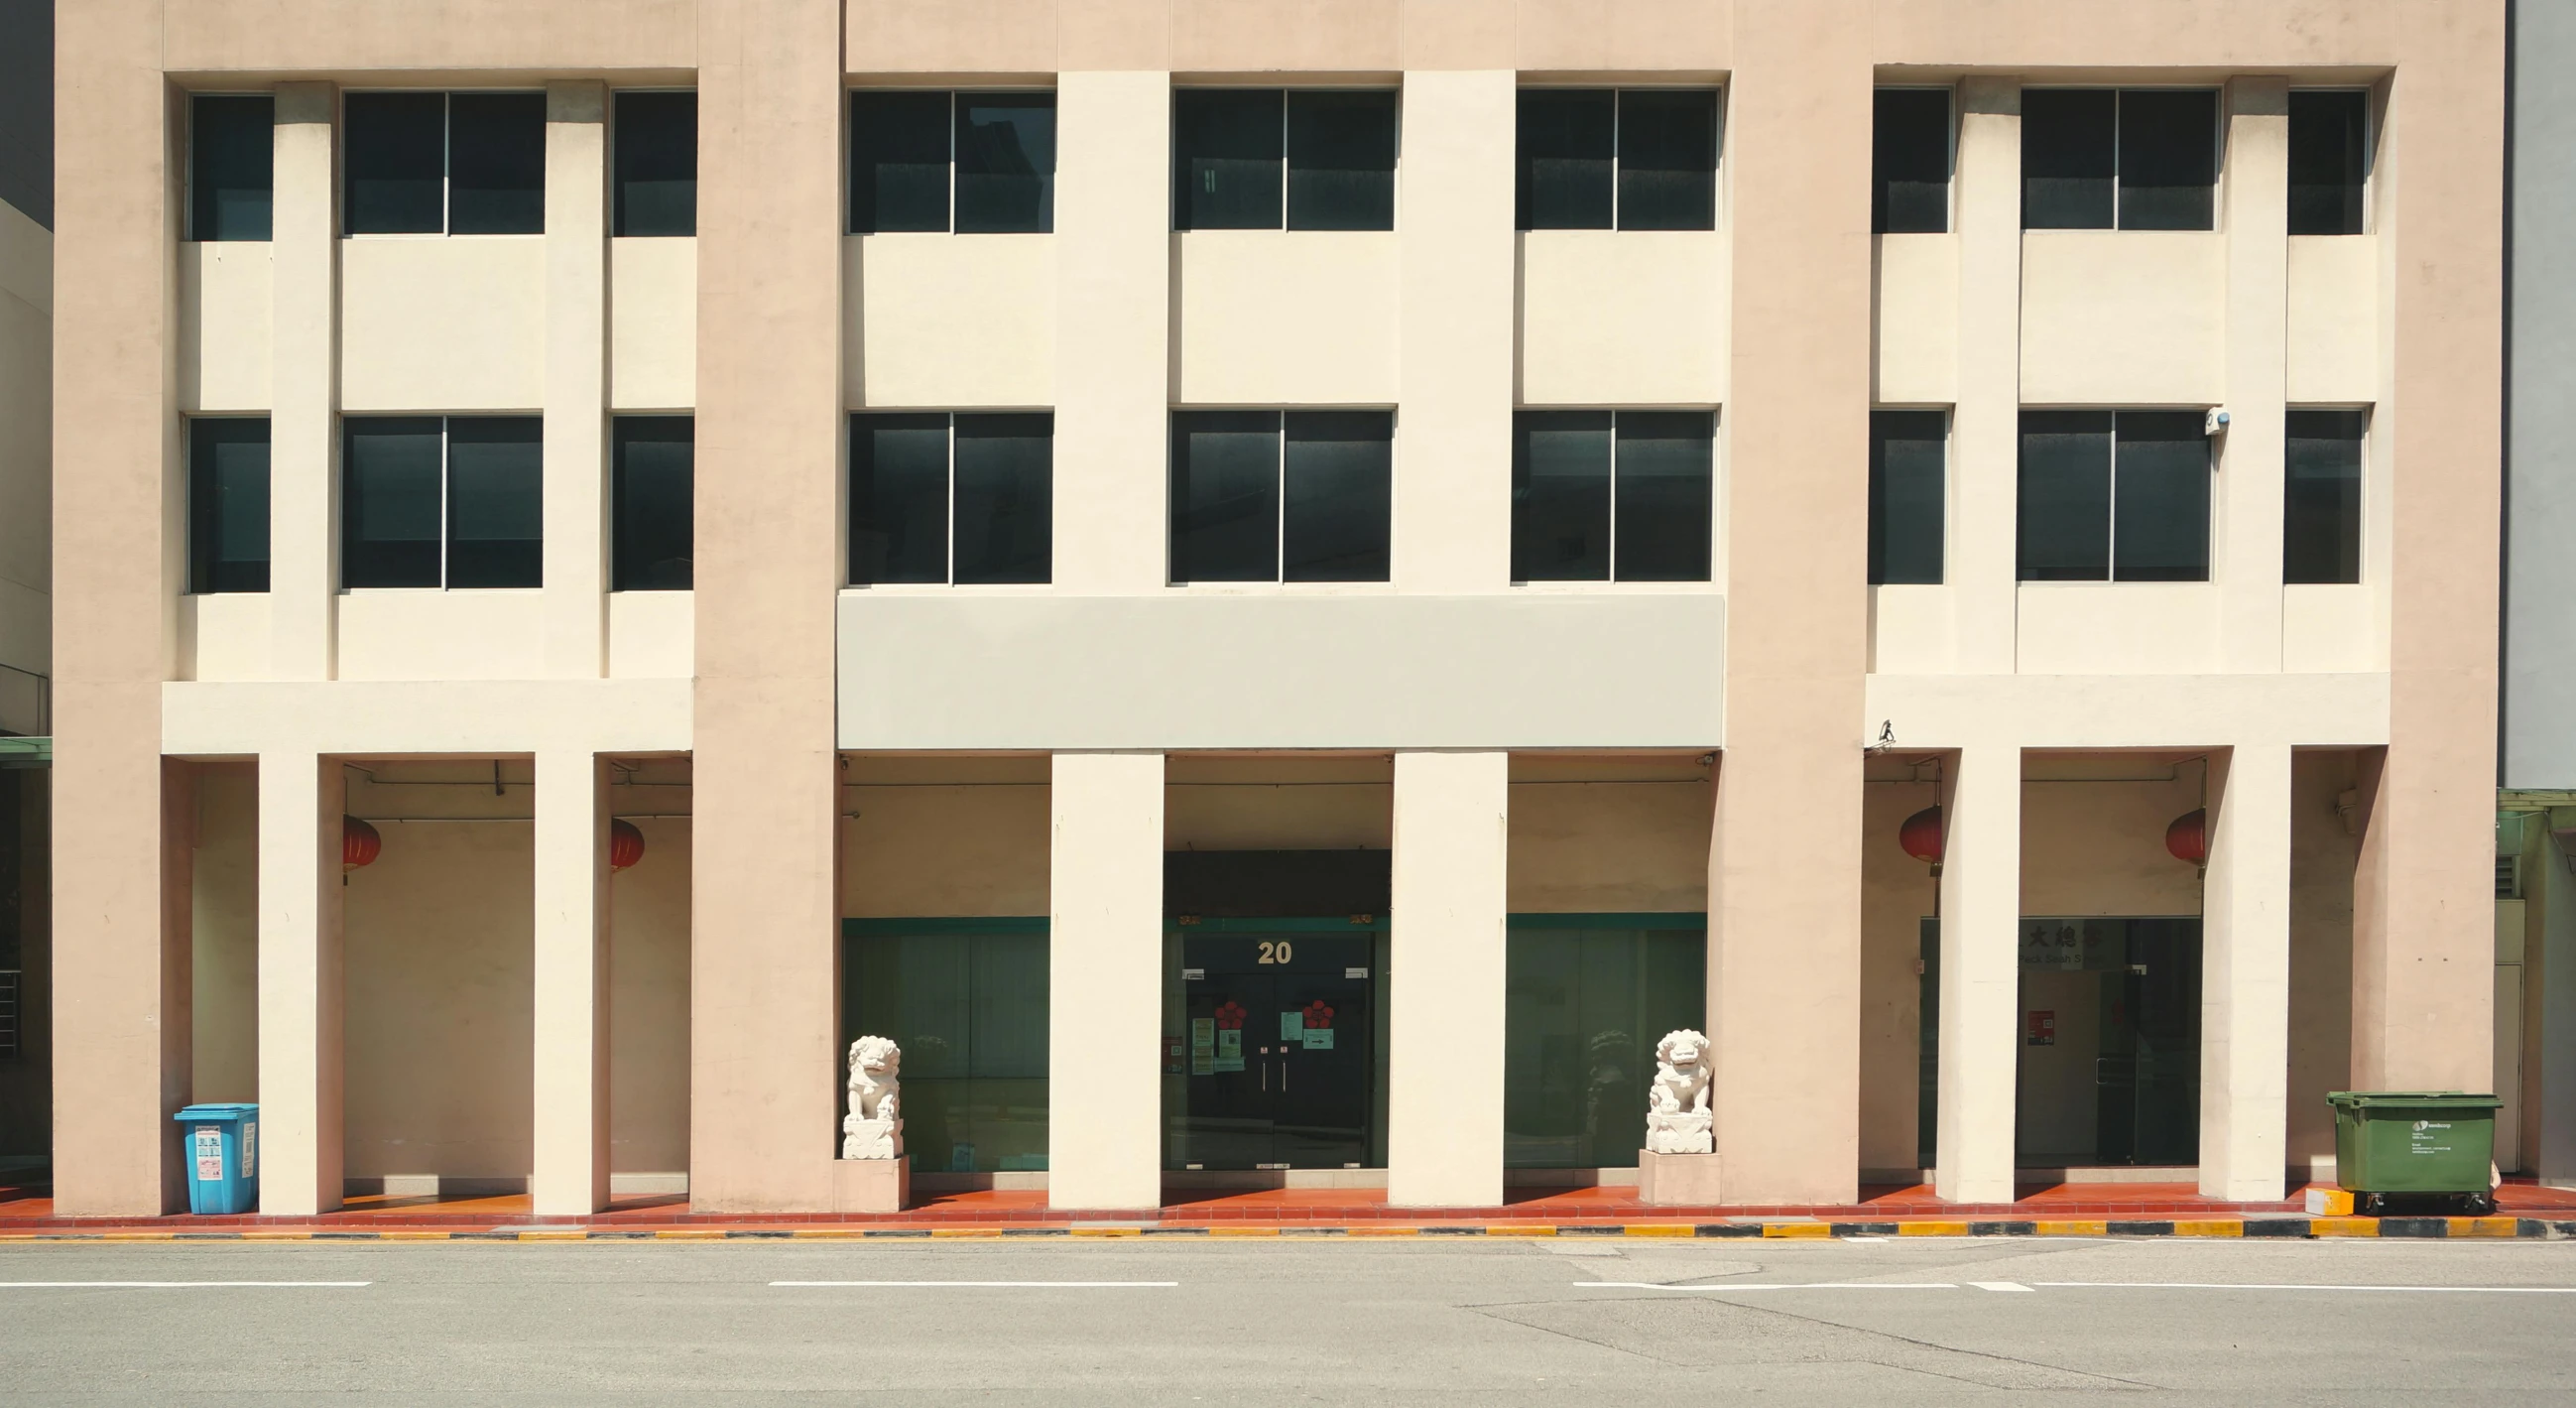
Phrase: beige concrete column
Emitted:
{"points": [[576, 410], [121, 979], [304, 374], [765, 912], [2423, 903], [1444, 1105], [1453, 517], [1980, 976], [301, 989], [1105, 981], [1113, 248], [1985, 428], [570, 993], [1785, 855], [2245, 978], [2247, 495]]}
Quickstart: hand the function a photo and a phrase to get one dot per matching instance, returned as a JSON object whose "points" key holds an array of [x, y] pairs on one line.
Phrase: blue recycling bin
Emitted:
{"points": [[222, 1152]]}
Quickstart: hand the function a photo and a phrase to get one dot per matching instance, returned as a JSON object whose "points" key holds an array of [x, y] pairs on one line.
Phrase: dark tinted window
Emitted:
{"points": [[2329, 162], [2160, 503], [395, 156], [898, 162], [392, 501], [1005, 497], [1910, 162], [1341, 160], [1561, 496], [232, 156], [652, 493], [1337, 496], [1668, 159], [228, 505], [2168, 159], [2321, 503], [1907, 454], [1228, 148], [1568, 152], [898, 498], [496, 163], [2069, 158], [1225, 496], [496, 513], [1660, 523], [657, 164], [1005, 163], [2064, 519]]}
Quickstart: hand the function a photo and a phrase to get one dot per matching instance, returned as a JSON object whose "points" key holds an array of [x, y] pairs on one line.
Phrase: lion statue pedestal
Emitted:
{"points": [[1678, 1166], [872, 1174]]}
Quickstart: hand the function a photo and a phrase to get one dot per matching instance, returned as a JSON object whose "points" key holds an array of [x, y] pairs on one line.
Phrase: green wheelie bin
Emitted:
{"points": [[2415, 1143]]}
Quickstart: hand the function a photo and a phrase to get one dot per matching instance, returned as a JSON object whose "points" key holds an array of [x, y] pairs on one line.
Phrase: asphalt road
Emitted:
{"points": [[1440, 1321]]}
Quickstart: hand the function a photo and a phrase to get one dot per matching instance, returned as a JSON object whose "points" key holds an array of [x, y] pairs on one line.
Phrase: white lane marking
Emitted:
{"points": [[1864, 1239], [1024, 1285], [167, 1285], [2247, 1286], [1775, 1286], [2000, 1286]]}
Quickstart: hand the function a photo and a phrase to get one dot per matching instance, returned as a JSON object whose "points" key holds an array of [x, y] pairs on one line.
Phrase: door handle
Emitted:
{"points": [[1265, 1077]]}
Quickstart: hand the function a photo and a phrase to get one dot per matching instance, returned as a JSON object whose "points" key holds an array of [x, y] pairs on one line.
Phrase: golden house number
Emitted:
{"points": [[1275, 953]]}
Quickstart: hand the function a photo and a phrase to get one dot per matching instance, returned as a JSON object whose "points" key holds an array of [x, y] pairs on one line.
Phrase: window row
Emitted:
{"points": [[442, 501], [1269, 496], [2124, 158], [2119, 496], [417, 163]]}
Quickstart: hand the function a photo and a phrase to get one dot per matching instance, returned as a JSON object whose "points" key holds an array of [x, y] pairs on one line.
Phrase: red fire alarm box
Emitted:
{"points": [[2043, 1028]]}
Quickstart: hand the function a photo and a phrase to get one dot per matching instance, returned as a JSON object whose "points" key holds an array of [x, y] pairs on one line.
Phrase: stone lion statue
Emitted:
{"points": [[1677, 1114], [873, 1129]]}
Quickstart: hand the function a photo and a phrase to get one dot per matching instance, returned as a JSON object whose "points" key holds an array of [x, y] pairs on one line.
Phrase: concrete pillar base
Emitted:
{"points": [[1677, 1180], [872, 1185]]}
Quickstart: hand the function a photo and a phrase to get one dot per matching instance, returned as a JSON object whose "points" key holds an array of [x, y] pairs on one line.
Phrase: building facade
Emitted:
{"points": [[1275, 590]]}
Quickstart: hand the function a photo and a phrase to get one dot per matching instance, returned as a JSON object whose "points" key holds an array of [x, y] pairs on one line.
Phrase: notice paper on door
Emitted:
{"points": [[1229, 1050], [1292, 1026], [1319, 1038]]}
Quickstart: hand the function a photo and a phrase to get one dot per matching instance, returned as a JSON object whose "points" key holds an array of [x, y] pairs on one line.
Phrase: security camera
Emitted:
{"points": [[2216, 421]]}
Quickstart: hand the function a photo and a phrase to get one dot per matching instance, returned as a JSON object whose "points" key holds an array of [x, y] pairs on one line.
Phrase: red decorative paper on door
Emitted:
{"points": [[2043, 1028]]}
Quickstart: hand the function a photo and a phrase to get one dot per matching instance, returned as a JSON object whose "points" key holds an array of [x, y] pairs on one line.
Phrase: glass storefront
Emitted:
{"points": [[1587, 998], [1273, 1044], [966, 999]]}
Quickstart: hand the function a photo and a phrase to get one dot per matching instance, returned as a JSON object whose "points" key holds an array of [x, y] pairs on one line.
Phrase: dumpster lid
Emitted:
{"points": [[2412, 1099], [215, 1112]]}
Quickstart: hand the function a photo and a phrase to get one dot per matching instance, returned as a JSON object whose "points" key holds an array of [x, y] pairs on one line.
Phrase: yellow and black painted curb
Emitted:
{"points": [[1799, 1229]]}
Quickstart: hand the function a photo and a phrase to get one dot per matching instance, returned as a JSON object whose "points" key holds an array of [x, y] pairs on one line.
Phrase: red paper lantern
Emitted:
{"points": [[2188, 837], [625, 844], [359, 844], [1923, 836]]}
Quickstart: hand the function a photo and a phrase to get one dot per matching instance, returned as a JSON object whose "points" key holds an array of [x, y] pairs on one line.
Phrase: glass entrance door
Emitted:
{"points": [[1275, 1060]]}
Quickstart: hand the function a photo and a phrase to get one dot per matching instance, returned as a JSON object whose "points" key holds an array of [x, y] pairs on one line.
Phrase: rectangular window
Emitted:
{"points": [[445, 163], [652, 486], [930, 162], [2129, 159], [966, 1000], [1910, 162], [1271, 158], [2113, 496], [1908, 451], [232, 156], [657, 164], [1600, 159], [2321, 503], [940, 498], [1586, 999], [228, 504], [2329, 161], [431, 501], [1272, 496], [1602, 496]]}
